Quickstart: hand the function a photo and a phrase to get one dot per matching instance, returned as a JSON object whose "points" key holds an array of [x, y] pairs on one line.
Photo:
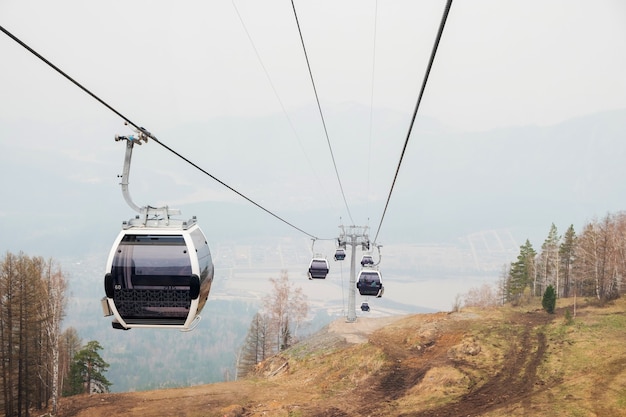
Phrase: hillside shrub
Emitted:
{"points": [[549, 299], [569, 320]]}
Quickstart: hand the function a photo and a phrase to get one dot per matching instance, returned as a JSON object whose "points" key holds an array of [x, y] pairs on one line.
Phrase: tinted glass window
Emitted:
{"points": [[370, 278], [318, 264], [140, 256]]}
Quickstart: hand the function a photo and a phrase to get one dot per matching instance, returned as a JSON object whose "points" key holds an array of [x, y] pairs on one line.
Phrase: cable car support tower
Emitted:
{"points": [[353, 236]]}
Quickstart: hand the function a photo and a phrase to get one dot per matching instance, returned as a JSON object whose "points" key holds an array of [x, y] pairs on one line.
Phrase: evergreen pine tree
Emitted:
{"points": [[521, 273], [549, 299], [86, 371]]}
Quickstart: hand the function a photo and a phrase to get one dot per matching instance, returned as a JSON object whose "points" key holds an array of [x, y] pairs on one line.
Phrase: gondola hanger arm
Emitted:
{"points": [[146, 212]]}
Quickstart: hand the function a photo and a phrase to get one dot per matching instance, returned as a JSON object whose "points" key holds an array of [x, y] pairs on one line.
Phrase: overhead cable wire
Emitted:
{"points": [[280, 102], [147, 133], [442, 24], [319, 107], [369, 151]]}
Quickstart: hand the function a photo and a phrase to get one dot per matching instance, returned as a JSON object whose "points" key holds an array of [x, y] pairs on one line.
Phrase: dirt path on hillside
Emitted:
{"points": [[435, 338], [512, 384]]}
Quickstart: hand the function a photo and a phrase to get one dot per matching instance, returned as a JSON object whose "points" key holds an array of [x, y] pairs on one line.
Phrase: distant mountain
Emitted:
{"points": [[519, 178], [66, 197]]}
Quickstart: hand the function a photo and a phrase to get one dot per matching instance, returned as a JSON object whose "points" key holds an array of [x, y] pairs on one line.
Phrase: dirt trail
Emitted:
{"points": [[512, 384], [413, 351]]}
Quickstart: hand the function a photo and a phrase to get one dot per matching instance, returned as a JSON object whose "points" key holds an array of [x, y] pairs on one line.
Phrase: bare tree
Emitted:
{"points": [[31, 309], [286, 306], [548, 262], [8, 295], [620, 243], [586, 257], [28, 355], [502, 283], [615, 226], [256, 346], [596, 260], [484, 296], [56, 301], [567, 251]]}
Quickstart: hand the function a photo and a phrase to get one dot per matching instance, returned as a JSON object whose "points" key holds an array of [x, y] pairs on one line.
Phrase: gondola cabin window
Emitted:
{"points": [[319, 265], [151, 262]]}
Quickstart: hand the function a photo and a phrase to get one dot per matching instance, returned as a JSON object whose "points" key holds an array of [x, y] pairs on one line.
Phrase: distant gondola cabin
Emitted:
{"points": [[318, 268], [367, 260], [370, 283]]}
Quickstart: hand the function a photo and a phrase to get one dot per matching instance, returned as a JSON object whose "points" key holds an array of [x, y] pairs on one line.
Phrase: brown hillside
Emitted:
{"points": [[497, 362]]}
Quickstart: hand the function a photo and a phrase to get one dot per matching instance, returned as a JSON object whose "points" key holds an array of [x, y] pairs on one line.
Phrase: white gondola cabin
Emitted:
{"points": [[158, 276], [370, 283]]}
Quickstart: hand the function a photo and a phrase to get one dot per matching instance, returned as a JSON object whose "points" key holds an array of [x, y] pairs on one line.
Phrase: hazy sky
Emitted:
{"points": [[169, 64], [500, 63]]}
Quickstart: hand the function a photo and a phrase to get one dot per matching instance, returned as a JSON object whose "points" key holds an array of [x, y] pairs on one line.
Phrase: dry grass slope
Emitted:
{"points": [[496, 362]]}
